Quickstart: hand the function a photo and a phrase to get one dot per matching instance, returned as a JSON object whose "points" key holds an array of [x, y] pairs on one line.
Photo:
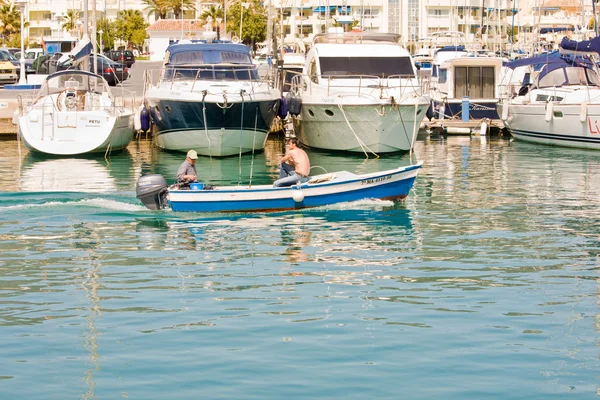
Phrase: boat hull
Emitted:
{"points": [[565, 128], [378, 128], [478, 109], [71, 133], [391, 184], [179, 125]]}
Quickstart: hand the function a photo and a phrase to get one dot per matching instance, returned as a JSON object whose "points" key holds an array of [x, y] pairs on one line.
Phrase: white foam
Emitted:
{"points": [[96, 202], [365, 204]]}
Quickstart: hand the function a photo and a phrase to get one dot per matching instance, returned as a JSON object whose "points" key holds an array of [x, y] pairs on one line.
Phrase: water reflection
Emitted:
{"points": [[81, 174]]}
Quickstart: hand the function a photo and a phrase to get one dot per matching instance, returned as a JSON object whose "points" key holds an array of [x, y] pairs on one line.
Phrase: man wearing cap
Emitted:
{"points": [[187, 170]]}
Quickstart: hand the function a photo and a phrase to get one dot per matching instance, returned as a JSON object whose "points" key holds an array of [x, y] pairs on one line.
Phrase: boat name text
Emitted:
{"points": [[375, 180]]}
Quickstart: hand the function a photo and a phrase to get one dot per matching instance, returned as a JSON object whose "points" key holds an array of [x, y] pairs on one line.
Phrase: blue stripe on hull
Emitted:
{"points": [[399, 189], [550, 136], [477, 109], [187, 115]]}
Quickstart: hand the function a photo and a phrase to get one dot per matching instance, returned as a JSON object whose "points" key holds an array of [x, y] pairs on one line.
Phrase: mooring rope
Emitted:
{"points": [[253, 140], [363, 146], [241, 131], [204, 93]]}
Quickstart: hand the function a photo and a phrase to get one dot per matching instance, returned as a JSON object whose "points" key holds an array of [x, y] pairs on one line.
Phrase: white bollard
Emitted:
{"points": [[549, 111], [583, 112]]}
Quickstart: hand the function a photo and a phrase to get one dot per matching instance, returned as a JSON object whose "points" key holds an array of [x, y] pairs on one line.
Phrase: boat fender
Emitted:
{"points": [[298, 196], [483, 131], [429, 113], [145, 119], [283, 110], [505, 110], [137, 123], [583, 112], [549, 111], [294, 104], [15, 118]]}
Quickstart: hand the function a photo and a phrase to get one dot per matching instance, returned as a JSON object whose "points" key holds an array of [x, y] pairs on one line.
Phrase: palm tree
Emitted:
{"points": [[162, 7], [178, 6], [157, 7], [70, 20], [10, 19], [214, 13]]}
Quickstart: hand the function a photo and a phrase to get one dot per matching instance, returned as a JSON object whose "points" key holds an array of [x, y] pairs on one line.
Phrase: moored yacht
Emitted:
{"points": [[75, 112], [359, 93], [468, 89], [209, 97], [561, 105]]}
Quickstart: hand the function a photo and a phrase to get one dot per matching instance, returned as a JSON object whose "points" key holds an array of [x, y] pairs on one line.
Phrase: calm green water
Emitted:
{"points": [[481, 285]]}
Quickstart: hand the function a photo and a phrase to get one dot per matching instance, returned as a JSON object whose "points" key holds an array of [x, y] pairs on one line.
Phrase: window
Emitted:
{"points": [[443, 75], [313, 71], [474, 82], [375, 66]]}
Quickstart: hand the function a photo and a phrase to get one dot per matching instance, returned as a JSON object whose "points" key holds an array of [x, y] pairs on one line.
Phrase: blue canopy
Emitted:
{"points": [[208, 53], [323, 9], [537, 61], [82, 49], [585, 45]]}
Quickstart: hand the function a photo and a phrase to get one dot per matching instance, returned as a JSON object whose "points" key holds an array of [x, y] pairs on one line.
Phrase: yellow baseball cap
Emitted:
{"points": [[192, 154]]}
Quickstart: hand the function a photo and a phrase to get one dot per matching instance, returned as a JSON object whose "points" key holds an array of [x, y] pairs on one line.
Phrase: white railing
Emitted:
{"points": [[197, 77], [358, 84]]}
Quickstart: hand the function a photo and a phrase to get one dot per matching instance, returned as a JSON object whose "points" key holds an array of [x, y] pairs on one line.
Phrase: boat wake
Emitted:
{"points": [[107, 204], [366, 204]]}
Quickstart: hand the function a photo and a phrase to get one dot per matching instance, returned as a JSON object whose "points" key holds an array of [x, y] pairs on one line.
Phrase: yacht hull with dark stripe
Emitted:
{"points": [[567, 127], [477, 109], [230, 128]]}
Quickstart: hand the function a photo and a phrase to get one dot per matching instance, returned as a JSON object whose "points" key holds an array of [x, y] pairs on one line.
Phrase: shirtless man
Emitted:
{"points": [[297, 166]]}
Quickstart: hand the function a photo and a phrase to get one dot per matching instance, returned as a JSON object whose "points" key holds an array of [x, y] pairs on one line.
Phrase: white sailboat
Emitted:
{"points": [[562, 104]]}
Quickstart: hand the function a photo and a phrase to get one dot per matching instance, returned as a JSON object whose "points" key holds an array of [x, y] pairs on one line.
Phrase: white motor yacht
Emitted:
{"points": [[209, 97], [358, 92]]}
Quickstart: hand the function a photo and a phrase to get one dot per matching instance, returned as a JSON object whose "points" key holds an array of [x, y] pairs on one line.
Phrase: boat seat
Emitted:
{"points": [[322, 178]]}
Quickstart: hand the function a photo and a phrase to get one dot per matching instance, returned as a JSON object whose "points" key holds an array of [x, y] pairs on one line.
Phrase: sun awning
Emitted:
{"points": [[323, 8], [345, 9]]}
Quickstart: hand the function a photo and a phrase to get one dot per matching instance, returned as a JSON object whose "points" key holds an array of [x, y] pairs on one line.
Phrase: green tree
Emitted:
{"points": [[161, 7], [70, 20], [178, 6], [157, 7], [214, 13], [108, 33], [131, 27], [254, 22], [10, 23]]}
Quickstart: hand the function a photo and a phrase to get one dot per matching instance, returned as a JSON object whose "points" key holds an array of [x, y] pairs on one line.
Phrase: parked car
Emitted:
{"points": [[8, 72], [121, 56], [46, 64], [113, 72], [17, 61]]}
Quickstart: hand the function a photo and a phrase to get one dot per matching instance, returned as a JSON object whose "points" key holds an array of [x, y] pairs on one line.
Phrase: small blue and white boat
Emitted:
{"points": [[320, 190]]}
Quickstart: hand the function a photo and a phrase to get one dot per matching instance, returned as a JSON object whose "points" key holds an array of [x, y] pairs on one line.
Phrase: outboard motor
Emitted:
{"points": [[152, 191]]}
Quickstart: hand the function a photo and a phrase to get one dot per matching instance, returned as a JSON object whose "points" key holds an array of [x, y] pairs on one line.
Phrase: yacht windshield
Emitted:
{"points": [[209, 57], [74, 81], [569, 76], [351, 67], [213, 72]]}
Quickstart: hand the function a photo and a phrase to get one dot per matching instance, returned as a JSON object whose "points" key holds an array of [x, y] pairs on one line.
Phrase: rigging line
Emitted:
{"points": [[241, 130], [253, 139], [363, 146], [404, 128], [204, 93]]}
